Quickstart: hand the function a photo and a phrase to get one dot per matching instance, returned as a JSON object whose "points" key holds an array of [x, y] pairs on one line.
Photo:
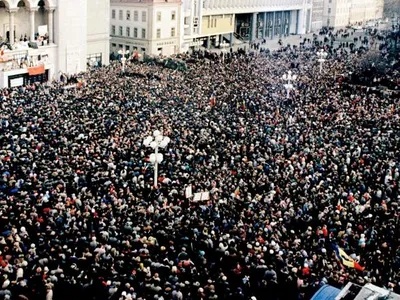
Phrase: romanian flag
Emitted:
{"points": [[213, 101], [339, 205], [346, 260]]}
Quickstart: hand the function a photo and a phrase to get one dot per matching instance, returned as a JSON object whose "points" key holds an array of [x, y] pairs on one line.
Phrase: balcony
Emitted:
{"points": [[22, 56]]}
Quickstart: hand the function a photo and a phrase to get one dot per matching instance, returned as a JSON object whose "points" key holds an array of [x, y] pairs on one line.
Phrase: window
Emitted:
{"points": [[128, 15], [127, 48], [215, 22], [120, 46], [143, 16], [135, 32], [143, 33], [329, 10], [113, 45], [121, 14], [158, 33], [113, 29], [121, 30], [94, 60], [136, 16], [173, 16], [143, 49], [113, 14], [128, 31], [173, 32], [158, 16]]}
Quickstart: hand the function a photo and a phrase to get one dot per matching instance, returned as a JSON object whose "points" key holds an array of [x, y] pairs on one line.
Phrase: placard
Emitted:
{"points": [[16, 81], [201, 197], [42, 30]]}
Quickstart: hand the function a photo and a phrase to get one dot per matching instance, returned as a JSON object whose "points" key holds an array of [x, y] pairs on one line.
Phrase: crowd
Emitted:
{"points": [[288, 179]]}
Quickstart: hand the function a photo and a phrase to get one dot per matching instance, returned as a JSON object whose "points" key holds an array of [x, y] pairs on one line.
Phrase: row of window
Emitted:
{"points": [[136, 15], [128, 31], [172, 33], [135, 32]]}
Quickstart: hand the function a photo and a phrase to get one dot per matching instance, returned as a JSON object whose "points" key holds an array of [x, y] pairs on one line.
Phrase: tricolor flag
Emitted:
{"points": [[213, 100], [339, 205], [345, 259]]}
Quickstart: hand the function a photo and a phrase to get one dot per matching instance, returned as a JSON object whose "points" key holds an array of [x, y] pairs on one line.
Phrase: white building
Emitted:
{"points": [[51, 36], [340, 13], [337, 13], [209, 22], [317, 15], [146, 26], [362, 11]]}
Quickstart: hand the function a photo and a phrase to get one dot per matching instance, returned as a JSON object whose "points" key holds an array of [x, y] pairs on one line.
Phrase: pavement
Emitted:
{"points": [[272, 44]]}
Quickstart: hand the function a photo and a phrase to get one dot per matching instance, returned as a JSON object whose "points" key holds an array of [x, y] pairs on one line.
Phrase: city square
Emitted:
{"points": [[265, 168]]}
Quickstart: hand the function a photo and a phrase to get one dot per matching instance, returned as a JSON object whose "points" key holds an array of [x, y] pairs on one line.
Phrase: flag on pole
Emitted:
{"points": [[345, 259], [213, 100], [339, 205]]}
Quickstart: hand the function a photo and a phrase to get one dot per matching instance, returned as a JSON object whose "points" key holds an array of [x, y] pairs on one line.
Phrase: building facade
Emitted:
{"points": [[362, 11], [209, 22], [50, 37], [146, 26], [341, 13], [317, 15], [336, 13]]}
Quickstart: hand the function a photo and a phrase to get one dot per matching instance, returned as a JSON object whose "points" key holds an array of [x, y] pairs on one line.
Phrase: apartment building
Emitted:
{"points": [[340, 13], [145, 26], [317, 15]]}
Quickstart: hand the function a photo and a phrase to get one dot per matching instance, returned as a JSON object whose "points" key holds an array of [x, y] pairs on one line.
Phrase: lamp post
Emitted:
{"points": [[322, 54], [289, 77], [123, 53], [156, 141], [223, 46]]}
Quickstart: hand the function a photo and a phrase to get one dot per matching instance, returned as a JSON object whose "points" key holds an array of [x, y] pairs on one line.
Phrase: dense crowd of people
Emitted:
{"points": [[288, 178]]}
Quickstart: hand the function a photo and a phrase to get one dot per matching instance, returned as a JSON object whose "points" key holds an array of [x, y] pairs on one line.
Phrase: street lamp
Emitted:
{"points": [[123, 54], [322, 54], [223, 46], [156, 141], [289, 77]]}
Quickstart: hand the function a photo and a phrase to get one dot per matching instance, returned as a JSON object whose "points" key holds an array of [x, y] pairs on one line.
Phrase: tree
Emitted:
{"points": [[391, 8]]}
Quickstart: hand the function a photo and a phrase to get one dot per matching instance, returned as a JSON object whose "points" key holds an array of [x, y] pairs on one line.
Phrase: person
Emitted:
{"points": [[288, 181]]}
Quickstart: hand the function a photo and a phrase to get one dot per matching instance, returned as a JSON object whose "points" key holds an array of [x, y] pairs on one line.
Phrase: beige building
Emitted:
{"points": [[50, 37], [146, 26]]}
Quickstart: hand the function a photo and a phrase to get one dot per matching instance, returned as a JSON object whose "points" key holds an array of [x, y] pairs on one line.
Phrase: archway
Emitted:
{"points": [[4, 15], [4, 4], [43, 3], [22, 27]]}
